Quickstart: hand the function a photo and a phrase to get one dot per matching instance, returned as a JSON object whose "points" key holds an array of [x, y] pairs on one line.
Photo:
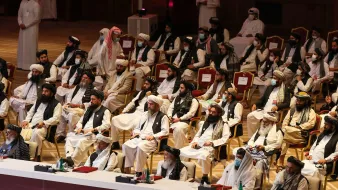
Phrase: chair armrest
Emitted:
{"points": [[195, 118], [163, 137], [314, 132], [324, 112]]}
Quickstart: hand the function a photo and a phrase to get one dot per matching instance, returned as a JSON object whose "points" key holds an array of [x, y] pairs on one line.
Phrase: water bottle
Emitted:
{"points": [[240, 185]]}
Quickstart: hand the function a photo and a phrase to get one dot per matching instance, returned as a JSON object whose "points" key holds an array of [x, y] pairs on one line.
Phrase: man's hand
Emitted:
{"points": [[22, 26], [65, 67], [321, 161], [260, 147], [218, 100], [14, 96], [208, 143], [24, 124], [333, 113], [253, 108], [138, 65], [258, 47], [65, 85], [191, 66], [134, 135], [165, 97], [298, 78], [78, 131], [148, 93], [71, 86], [274, 108], [106, 94], [40, 125], [239, 35], [71, 105], [150, 138], [175, 120], [309, 157], [88, 131], [193, 145], [120, 57]]}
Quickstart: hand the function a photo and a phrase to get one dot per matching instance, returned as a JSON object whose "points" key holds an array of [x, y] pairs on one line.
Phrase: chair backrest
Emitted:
{"points": [[191, 169], [243, 81], [226, 35], [273, 42], [205, 77], [127, 43], [330, 36], [303, 32], [157, 57], [161, 71], [120, 161], [318, 122], [11, 69]]}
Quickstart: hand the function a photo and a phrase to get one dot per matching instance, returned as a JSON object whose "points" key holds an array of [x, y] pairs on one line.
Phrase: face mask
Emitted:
{"points": [[77, 61], [273, 82], [292, 42], [299, 72], [272, 58], [139, 44], [255, 43], [212, 119], [201, 36], [101, 38], [224, 97], [251, 17], [117, 40], [186, 48], [314, 37], [238, 162], [314, 58]]}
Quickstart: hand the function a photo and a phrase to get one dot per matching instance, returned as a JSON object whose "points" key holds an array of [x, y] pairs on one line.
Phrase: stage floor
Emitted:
{"points": [[53, 37]]}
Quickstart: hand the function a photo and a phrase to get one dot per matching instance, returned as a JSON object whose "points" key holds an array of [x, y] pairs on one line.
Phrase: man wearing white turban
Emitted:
{"points": [[152, 125], [26, 95], [142, 59]]}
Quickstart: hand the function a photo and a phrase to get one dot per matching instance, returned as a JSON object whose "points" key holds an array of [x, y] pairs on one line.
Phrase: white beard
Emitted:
{"points": [[167, 163], [9, 141], [264, 129]]}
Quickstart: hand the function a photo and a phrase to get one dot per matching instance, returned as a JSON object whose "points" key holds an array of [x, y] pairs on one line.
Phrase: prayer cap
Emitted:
{"points": [[82, 53], [295, 35], [331, 120], [98, 94], [188, 40], [296, 162], [116, 30], [188, 85], [100, 137], [303, 95], [14, 128], [204, 28], [232, 91], [37, 67], [144, 36], [279, 74], [155, 99], [74, 40], [217, 107], [253, 10], [175, 152], [41, 52], [261, 37], [90, 75], [50, 87], [151, 80], [122, 62], [173, 67], [319, 52], [271, 116], [214, 20], [306, 68]]}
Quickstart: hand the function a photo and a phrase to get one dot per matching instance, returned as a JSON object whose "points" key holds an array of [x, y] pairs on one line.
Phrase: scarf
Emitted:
{"points": [[247, 54], [291, 181], [281, 93], [321, 68], [109, 40], [304, 115], [207, 46]]}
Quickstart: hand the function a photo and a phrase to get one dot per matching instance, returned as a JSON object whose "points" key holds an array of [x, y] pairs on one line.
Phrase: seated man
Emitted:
{"points": [[216, 31], [27, 94], [67, 57], [291, 177], [319, 70], [215, 91], [168, 44], [103, 158], [172, 167], [189, 59], [254, 54], [303, 81], [4, 106], [96, 119], [183, 108], [50, 71], [118, 85], [322, 153], [45, 113], [292, 55], [241, 170], [74, 105], [332, 60], [4, 74], [251, 26], [328, 105], [142, 59], [206, 43], [263, 143], [73, 75], [212, 133], [132, 113], [14, 147], [151, 127], [298, 123], [276, 97], [315, 41]]}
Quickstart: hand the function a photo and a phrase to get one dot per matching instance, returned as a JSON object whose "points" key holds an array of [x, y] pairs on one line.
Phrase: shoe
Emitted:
{"points": [[60, 139], [205, 179], [38, 158], [115, 145], [138, 174], [69, 161]]}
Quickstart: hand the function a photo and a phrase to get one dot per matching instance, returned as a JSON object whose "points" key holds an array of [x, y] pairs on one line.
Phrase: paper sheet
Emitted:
{"points": [[163, 74], [242, 80], [273, 45], [206, 77], [126, 44]]}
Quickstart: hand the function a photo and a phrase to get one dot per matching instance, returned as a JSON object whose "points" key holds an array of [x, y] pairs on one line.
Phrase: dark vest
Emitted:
{"points": [[181, 108], [264, 143], [190, 55], [219, 32], [258, 62], [157, 123], [93, 157], [231, 108], [304, 81], [144, 55], [87, 94], [49, 111], [97, 121], [173, 175], [46, 69], [206, 126], [330, 147], [70, 62], [169, 43], [295, 58]]}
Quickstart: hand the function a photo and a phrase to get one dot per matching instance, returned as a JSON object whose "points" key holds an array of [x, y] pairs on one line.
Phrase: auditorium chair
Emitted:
{"points": [[50, 137], [303, 32], [236, 133], [330, 37], [163, 140], [9, 89], [205, 78], [128, 44], [273, 42], [243, 82], [160, 69], [11, 71]]}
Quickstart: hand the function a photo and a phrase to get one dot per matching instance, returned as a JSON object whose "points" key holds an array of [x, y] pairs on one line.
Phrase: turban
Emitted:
{"points": [[175, 152], [296, 162], [204, 28], [188, 85], [214, 20], [295, 35], [74, 40], [261, 37], [37, 67], [82, 53], [228, 46], [253, 10], [316, 29], [271, 116], [217, 107], [116, 30], [14, 128], [319, 52], [305, 67], [144, 36], [100, 137], [41, 52], [303, 95], [50, 87], [233, 92], [151, 80], [90, 75], [98, 94], [331, 120], [155, 99], [279, 74], [122, 62], [173, 67], [109, 40]]}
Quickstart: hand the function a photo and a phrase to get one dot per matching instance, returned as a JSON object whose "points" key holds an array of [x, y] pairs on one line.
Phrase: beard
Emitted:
{"points": [[119, 73], [35, 78], [167, 163], [213, 119], [9, 140], [83, 85], [93, 106], [69, 48], [46, 99], [183, 94], [170, 77], [300, 107], [236, 167], [327, 131]]}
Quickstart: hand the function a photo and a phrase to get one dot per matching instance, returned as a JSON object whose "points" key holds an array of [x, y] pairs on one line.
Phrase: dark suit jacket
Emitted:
{"points": [[264, 99]]}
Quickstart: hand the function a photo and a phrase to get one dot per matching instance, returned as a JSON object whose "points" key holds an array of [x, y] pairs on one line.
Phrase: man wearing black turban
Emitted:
{"points": [[14, 146]]}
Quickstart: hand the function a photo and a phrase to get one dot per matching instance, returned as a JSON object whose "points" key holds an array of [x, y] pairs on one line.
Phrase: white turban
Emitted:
{"points": [[122, 62], [37, 67], [144, 36], [100, 137], [155, 99]]}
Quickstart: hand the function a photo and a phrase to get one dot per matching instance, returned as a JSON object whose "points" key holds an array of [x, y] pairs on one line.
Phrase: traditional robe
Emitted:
{"points": [[232, 113], [29, 15], [77, 145], [217, 133], [48, 113], [117, 87], [4, 106], [171, 48], [49, 75], [70, 60], [281, 179], [303, 85], [332, 60], [207, 11], [48, 9], [311, 44], [17, 149], [315, 73], [210, 46], [168, 88], [138, 148], [169, 170], [184, 112], [105, 160], [189, 74], [255, 58], [214, 92], [106, 65]]}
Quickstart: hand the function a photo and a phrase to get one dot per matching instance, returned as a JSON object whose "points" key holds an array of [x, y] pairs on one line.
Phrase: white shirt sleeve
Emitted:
{"points": [[237, 115], [198, 134], [307, 87], [201, 59], [324, 47], [277, 143], [155, 46], [193, 109], [53, 74], [105, 122], [177, 59], [112, 162], [30, 114], [224, 138], [131, 104], [4, 107], [177, 45], [326, 69], [58, 60], [65, 77], [56, 116], [331, 157], [262, 56], [150, 59]]}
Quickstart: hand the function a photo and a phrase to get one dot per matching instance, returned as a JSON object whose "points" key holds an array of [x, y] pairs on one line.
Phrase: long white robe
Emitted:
{"points": [[207, 11], [171, 51], [104, 161], [29, 15], [250, 62], [238, 112], [315, 74], [138, 149], [105, 65], [48, 9], [183, 173], [205, 101], [303, 184], [58, 60]]}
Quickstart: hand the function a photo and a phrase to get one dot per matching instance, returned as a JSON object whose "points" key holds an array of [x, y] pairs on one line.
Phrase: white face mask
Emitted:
{"points": [[255, 43], [299, 72], [271, 58], [314, 57], [186, 48], [251, 17], [77, 61], [314, 37]]}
